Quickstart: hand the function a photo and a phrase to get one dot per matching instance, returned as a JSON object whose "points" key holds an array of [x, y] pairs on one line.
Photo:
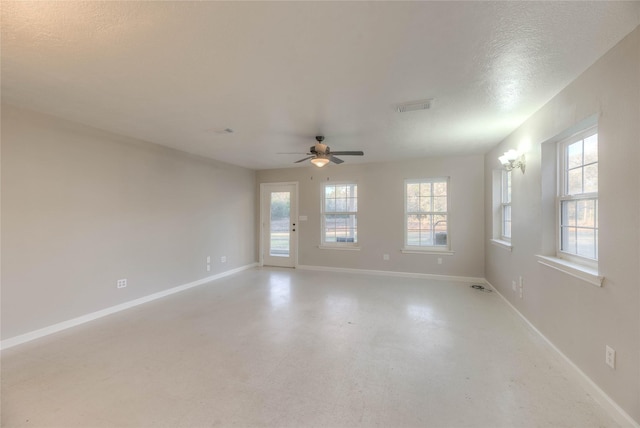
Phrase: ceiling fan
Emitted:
{"points": [[321, 154]]}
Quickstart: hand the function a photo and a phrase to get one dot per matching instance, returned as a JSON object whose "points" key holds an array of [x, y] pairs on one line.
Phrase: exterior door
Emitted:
{"points": [[278, 216]]}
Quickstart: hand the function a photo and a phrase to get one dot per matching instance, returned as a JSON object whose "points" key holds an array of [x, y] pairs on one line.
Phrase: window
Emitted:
{"points": [[340, 214], [505, 206], [426, 204], [578, 197]]}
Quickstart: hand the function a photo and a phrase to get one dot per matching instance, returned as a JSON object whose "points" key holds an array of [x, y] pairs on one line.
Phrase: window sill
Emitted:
{"points": [[502, 244], [577, 271], [443, 251], [338, 247]]}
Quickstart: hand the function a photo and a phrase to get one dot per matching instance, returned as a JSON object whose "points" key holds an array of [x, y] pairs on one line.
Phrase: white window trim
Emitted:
{"points": [[589, 265], [504, 204], [354, 246], [432, 249], [496, 211], [576, 270], [427, 250], [340, 247], [502, 244]]}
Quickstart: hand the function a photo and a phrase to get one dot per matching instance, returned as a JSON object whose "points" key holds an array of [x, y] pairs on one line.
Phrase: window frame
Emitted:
{"points": [[443, 249], [323, 213], [563, 196], [506, 202]]}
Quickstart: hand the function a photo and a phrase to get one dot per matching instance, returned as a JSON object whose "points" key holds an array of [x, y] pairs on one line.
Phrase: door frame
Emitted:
{"points": [[264, 187]]}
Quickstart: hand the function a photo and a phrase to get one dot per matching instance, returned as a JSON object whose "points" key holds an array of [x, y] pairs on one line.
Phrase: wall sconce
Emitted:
{"points": [[511, 160]]}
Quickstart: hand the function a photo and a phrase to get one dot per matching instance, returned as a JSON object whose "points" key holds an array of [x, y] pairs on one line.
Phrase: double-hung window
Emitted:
{"points": [[340, 214], [505, 206], [578, 198], [426, 214]]}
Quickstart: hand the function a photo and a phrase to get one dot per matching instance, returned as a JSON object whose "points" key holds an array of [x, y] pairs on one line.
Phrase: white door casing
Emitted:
{"points": [[279, 224]]}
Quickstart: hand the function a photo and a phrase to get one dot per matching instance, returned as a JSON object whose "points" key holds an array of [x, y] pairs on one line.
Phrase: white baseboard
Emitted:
{"points": [[32, 335], [393, 273], [622, 417]]}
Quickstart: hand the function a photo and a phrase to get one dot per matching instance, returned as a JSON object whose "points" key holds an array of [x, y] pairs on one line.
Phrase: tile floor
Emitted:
{"points": [[286, 348]]}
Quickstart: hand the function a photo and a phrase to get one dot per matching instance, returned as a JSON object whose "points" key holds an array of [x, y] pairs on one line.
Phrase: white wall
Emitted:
{"points": [[381, 214], [82, 208], [577, 317]]}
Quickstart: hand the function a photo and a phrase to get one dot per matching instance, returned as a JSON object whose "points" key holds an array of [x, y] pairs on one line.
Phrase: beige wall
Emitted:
{"points": [[381, 214], [578, 317], [82, 208]]}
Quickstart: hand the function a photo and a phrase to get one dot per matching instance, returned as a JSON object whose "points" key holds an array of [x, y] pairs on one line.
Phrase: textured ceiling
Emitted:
{"points": [[280, 73]]}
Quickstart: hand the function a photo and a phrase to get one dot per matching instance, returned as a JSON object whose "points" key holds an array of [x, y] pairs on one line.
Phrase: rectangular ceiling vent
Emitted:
{"points": [[414, 106]]}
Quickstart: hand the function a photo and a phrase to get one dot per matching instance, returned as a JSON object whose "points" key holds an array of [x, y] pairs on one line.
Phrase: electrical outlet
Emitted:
{"points": [[208, 268], [513, 285], [521, 286], [121, 283], [610, 357], [439, 260], [208, 259], [385, 257], [223, 259]]}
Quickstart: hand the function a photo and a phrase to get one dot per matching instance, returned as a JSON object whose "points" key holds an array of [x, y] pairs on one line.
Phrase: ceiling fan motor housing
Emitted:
{"points": [[319, 149]]}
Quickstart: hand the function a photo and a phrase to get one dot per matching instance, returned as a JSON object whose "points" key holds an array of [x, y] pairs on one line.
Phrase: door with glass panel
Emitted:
{"points": [[278, 218]]}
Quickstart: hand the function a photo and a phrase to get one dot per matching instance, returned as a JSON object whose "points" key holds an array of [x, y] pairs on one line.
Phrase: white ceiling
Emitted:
{"points": [[279, 73]]}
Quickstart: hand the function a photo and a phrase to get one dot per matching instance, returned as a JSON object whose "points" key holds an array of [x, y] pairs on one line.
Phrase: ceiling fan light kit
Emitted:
{"points": [[320, 154], [319, 162]]}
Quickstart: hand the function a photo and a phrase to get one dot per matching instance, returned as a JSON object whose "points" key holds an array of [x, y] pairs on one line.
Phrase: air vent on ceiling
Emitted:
{"points": [[414, 105]]}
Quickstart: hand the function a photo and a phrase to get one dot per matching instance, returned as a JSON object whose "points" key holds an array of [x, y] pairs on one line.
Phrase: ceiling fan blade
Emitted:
{"points": [[349, 153], [335, 159], [304, 159], [292, 153]]}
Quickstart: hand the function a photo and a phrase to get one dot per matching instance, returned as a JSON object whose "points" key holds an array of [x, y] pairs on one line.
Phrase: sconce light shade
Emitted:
{"points": [[319, 162], [512, 160]]}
